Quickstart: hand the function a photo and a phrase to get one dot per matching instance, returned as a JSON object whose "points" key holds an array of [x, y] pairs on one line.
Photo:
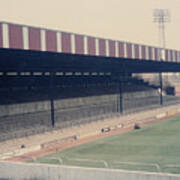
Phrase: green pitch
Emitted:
{"points": [[148, 149]]}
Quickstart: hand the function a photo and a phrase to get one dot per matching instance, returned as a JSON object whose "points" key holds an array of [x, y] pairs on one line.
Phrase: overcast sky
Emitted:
{"points": [[127, 20]]}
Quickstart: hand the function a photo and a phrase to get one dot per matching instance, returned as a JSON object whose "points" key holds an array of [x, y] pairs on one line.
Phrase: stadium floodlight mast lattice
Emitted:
{"points": [[161, 16]]}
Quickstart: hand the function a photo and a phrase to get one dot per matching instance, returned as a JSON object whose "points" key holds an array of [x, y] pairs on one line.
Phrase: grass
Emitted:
{"points": [[158, 144]]}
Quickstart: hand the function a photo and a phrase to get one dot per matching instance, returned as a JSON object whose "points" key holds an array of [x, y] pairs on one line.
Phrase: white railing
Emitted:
{"points": [[55, 158], [91, 161], [139, 164], [106, 164]]}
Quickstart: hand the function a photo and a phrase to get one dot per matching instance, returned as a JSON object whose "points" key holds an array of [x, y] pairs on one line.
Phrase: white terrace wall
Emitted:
{"points": [[22, 171]]}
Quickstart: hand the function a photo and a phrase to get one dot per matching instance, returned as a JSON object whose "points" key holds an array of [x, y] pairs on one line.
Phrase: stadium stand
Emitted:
{"points": [[25, 112]]}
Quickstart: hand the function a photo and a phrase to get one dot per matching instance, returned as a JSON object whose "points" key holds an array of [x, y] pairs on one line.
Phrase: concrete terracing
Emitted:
{"points": [[33, 143]]}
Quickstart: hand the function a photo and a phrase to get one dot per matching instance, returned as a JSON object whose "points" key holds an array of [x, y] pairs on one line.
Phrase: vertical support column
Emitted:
{"points": [[161, 88], [52, 98], [119, 81], [118, 96], [121, 95]]}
